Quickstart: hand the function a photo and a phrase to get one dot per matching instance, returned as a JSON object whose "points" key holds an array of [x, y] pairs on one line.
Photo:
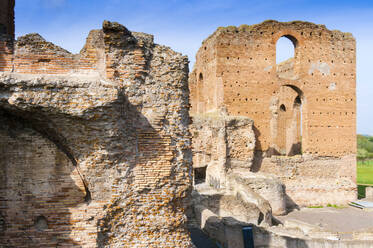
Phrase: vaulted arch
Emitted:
{"points": [[41, 185], [287, 121]]}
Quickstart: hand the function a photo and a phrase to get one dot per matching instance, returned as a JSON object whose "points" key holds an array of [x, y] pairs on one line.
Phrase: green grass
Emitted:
{"points": [[329, 205], [365, 163], [365, 172], [335, 206], [364, 176]]}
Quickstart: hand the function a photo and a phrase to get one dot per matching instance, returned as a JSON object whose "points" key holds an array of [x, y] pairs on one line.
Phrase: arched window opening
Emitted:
{"points": [[200, 78], [284, 50], [283, 108], [285, 55]]}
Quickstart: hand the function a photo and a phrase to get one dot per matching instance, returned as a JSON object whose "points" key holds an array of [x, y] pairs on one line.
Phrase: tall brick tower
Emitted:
{"points": [[7, 18]]}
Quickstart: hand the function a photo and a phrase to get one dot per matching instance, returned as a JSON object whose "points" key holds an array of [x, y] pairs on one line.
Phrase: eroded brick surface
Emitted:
{"points": [[236, 70], [95, 147], [305, 106]]}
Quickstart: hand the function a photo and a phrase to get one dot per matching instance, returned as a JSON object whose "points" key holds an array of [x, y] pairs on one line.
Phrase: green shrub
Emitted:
{"points": [[364, 147]]}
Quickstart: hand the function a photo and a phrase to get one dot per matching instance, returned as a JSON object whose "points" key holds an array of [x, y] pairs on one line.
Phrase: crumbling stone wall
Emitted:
{"points": [[95, 147], [314, 180], [221, 144], [306, 105], [224, 147], [238, 66]]}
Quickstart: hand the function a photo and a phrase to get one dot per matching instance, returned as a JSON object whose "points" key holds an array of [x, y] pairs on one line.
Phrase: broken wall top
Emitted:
{"points": [[32, 54], [273, 27]]}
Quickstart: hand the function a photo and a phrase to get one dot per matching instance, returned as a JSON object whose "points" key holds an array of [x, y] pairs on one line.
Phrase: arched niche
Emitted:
{"points": [[287, 121], [40, 185]]}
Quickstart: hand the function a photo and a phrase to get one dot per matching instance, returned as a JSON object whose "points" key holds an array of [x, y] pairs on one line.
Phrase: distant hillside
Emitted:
{"points": [[364, 147]]}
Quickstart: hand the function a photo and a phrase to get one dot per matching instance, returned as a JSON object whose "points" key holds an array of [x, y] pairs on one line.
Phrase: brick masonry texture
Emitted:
{"points": [[95, 147], [304, 107], [236, 70], [221, 144]]}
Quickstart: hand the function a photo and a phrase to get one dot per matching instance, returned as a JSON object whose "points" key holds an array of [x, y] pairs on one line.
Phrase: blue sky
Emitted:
{"points": [[183, 25]]}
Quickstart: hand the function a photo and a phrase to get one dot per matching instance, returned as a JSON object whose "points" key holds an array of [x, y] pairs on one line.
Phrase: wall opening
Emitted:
{"points": [[288, 122], [200, 175], [296, 128], [200, 94], [285, 49], [285, 56]]}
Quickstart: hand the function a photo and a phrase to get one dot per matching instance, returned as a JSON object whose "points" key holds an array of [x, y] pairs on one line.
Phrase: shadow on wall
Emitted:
{"points": [[39, 186], [142, 138], [44, 194], [296, 149], [258, 154], [120, 149]]}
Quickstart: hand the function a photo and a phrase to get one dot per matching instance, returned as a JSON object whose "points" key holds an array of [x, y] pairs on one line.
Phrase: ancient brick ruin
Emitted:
{"points": [[303, 110], [94, 147], [236, 70]]}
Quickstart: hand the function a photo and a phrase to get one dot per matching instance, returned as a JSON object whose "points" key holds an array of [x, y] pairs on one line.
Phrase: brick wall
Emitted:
{"points": [[324, 72], [102, 151], [6, 55], [305, 106]]}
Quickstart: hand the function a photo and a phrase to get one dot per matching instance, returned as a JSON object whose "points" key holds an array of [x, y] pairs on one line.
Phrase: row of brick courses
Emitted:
{"points": [[244, 58], [124, 127], [6, 54], [305, 106], [34, 55]]}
